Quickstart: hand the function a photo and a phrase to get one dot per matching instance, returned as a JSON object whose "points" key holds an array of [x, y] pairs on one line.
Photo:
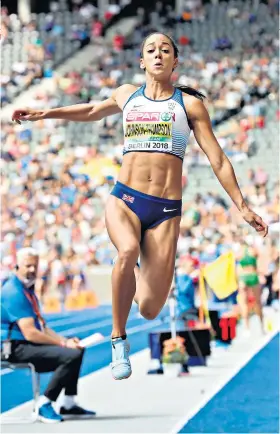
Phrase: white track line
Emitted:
{"points": [[5, 371], [223, 381]]}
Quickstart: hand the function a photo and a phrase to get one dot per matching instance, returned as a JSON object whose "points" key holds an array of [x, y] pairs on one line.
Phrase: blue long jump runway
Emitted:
{"points": [[249, 403], [16, 386]]}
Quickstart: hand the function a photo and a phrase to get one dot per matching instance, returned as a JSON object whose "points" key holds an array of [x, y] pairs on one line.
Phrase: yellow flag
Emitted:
{"points": [[221, 276]]}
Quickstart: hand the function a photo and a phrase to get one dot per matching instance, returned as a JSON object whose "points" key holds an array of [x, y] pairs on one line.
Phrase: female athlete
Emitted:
{"points": [[143, 212], [249, 284]]}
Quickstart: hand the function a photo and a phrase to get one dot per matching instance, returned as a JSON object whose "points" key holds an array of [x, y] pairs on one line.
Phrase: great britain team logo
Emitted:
{"points": [[171, 106], [128, 198]]}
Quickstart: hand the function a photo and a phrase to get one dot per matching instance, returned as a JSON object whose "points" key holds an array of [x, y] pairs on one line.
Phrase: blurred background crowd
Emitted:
{"points": [[56, 176]]}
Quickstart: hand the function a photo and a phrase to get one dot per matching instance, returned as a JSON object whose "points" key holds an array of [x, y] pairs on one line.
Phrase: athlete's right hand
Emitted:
{"points": [[27, 114]]}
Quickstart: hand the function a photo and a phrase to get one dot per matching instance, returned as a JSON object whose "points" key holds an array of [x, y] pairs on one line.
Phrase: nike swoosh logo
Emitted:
{"points": [[169, 210]]}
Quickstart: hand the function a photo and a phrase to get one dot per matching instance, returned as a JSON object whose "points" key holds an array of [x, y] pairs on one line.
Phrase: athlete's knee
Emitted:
{"points": [[128, 254], [258, 302], [148, 311]]}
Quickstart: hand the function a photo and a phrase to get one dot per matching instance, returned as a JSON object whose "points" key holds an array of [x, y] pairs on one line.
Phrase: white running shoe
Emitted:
{"points": [[120, 366]]}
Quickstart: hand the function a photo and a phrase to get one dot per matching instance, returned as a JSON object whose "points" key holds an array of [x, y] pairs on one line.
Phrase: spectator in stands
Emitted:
{"points": [[96, 29], [33, 342], [118, 42], [223, 43]]}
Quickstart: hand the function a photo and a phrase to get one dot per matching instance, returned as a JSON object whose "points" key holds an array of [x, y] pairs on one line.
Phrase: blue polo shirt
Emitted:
{"points": [[15, 306], [185, 293]]}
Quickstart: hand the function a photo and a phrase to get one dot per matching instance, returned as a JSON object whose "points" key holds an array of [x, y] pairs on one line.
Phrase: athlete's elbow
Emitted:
{"points": [[94, 115], [219, 163]]}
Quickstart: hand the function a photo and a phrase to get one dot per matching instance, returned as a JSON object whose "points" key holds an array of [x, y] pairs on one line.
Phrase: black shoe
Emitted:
{"points": [[77, 411]]}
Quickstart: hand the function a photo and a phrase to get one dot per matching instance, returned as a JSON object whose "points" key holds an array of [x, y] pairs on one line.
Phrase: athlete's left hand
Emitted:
{"points": [[255, 221]]}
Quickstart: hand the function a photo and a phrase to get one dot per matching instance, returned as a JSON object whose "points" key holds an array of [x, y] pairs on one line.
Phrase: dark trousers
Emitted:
{"points": [[65, 363]]}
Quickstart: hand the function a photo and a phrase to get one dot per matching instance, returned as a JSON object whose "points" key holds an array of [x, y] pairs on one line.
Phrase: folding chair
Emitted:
{"points": [[35, 378]]}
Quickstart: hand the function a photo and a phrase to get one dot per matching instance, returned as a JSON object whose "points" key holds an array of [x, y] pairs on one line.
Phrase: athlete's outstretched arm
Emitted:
{"points": [[220, 163], [77, 112]]}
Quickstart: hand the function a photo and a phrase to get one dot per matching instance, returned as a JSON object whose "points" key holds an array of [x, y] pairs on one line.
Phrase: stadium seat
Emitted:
{"points": [[87, 299], [73, 302], [52, 305]]}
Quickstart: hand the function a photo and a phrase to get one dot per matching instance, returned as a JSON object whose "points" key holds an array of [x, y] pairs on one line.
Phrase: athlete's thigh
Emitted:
{"points": [[243, 290], [158, 253], [123, 225], [257, 291]]}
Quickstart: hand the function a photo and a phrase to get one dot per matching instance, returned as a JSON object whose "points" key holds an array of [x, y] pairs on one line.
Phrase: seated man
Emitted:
{"points": [[33, 342]]}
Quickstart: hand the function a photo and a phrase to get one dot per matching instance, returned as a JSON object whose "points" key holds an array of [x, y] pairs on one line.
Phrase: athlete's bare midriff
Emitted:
{"points": [[244, 271], [155, 174]]}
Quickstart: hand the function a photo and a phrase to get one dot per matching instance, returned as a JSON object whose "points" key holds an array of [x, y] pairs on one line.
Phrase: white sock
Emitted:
{"points": [[43, 400], [68, 401]]}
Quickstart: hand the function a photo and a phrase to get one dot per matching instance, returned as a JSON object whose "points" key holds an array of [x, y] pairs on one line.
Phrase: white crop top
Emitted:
{"points": [[155, 125]]}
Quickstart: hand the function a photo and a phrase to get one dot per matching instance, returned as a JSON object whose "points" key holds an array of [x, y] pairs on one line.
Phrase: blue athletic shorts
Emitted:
{"points": [[151, 210]]}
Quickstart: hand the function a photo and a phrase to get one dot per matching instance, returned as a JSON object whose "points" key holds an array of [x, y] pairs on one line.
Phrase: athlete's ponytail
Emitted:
{"points": [[191, 91]]}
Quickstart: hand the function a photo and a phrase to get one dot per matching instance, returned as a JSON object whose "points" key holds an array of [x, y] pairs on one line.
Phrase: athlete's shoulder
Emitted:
{"points": [[124, 92], [193, 105], [126, 89], [192, 101]]}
